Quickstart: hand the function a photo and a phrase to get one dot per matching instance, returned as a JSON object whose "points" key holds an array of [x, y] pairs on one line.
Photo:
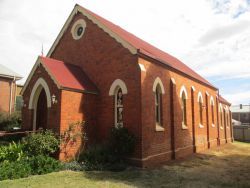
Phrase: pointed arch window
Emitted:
{"points": [[200, 102], [184, 109], [118, 107], [221, 120], [227, 116], [221, 117], [183, 102], [158, 105], [158, 90], [118, 89], [200, 112], [212, 110]]}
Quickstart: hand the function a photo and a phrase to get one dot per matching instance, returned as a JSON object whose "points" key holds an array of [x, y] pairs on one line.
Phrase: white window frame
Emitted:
{"points": [[183, 92]]}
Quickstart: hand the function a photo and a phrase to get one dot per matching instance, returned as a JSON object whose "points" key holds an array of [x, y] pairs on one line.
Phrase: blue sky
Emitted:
{"points": [[210, 36]]}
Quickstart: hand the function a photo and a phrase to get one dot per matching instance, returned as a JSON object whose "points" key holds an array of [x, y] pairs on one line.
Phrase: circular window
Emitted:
{"points": [[78, 29]]}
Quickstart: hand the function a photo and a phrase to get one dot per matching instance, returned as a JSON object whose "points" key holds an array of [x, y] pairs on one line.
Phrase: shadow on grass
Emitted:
{"points": [[200, 170]]}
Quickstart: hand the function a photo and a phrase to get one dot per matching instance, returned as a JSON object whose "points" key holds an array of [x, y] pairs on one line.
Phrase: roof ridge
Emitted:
{"points": [[151, 50]]}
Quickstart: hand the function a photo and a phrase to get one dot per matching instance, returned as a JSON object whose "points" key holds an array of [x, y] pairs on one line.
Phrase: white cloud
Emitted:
{"points": [[239, 97], [213, 37]]}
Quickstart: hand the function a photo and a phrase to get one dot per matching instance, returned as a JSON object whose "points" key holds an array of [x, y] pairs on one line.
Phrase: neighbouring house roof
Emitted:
{"points": [[240, 109], [129, 40], [224, 101], [7, 73], [68, 75], [235, 122]]}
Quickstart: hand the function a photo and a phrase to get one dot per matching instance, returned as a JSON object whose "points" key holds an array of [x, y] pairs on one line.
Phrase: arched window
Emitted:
{"points": [[212, 110], [221, 120], [227, 116], [221, 117], [184, 109], [158, 90], [158, 105], [118, 107], [118, 89], [184, 96], [200, 101]]}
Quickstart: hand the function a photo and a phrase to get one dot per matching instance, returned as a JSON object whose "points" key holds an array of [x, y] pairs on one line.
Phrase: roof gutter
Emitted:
{"points": [[11, 77]]}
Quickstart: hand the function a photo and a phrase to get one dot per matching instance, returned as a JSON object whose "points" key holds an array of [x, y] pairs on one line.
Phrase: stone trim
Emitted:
{"points": [[118, 83], [39, 85], [211, 100], [200, 96], [156, 82], [183, 89], [75, 26], [83, 11]]}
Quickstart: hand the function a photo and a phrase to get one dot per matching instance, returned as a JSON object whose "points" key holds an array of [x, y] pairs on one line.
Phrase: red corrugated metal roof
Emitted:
{"points": [[224, 101], [68, 75], [149, 50]]}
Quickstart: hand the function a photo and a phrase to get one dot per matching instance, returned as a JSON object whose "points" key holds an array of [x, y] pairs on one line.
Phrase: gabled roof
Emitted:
{"points": [[7, 73], [224, 101], [66, 76], [133, 43]]}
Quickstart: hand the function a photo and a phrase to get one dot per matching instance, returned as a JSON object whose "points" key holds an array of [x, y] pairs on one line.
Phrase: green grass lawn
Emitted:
{"points": [[228, 166]]}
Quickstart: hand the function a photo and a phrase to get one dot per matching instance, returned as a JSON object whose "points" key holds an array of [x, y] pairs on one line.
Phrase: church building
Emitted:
{"points": [[99, 73]]}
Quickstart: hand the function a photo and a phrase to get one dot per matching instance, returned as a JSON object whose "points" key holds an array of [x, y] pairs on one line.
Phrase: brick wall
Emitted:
{"points": [[104, 60], [77, 107], [5, 95], [156, 145]]}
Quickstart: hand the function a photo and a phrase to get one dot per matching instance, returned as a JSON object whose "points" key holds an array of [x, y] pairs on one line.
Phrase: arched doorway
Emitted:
{"points": [[40, 102], [41, 111]]}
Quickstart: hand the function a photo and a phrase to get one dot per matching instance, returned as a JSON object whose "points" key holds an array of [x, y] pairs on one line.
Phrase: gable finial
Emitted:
{"points": [[42, 50]]}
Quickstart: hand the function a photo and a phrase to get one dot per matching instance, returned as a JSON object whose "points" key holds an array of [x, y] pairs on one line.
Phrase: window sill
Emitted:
{"points": [[184, 126], [213, 125], [159, 128], [201, 126]]}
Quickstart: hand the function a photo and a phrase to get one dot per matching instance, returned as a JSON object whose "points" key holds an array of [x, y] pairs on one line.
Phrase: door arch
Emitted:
{"points": [[40, 92]]}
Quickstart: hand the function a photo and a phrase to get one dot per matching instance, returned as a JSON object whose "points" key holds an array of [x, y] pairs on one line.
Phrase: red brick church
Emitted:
{"points": [[101, 74]]}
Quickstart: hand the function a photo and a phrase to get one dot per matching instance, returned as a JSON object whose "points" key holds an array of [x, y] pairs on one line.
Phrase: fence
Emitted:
{"points": [[242, 133]]}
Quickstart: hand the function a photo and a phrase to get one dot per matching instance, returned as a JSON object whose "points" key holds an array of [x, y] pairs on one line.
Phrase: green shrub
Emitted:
{"points": [[12, 152], [28, 166], [14, 170], [73, 165], [8, 122], [109, 156], [96, 157], [44, 143], [43, 164], [122, 143]]}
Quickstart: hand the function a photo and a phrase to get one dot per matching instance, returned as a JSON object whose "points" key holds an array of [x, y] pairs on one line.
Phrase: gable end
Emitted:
{"points": [[80, 9]]}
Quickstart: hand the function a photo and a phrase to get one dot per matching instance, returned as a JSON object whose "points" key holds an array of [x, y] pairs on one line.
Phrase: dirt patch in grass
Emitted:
{"points": [[226, 166]]}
